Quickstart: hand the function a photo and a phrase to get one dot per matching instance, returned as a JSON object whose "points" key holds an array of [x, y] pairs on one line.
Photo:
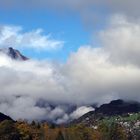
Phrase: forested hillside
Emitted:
{"points": [[125, 127]]}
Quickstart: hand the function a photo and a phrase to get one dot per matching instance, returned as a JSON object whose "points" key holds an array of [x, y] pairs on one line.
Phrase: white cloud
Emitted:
{"points": [[13, 36], [80, 111], [121, 40]]}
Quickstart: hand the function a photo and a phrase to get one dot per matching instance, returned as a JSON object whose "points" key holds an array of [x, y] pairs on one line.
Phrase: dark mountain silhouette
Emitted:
{"points": [[13, 54], [4, 117], [118, 107]]}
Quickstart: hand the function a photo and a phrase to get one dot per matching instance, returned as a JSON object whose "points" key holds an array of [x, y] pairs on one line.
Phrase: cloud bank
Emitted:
{"points": [[43, 90]]}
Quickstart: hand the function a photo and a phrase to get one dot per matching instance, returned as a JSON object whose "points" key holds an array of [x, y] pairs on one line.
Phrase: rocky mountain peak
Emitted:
{"points": [[13, 53]]}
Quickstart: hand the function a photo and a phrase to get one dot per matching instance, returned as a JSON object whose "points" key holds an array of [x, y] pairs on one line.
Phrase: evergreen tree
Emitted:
{"points": [[60, 136]]}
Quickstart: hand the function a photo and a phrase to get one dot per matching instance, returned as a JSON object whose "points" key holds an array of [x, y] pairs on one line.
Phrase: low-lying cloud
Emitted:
{"points": [[43, 90]]}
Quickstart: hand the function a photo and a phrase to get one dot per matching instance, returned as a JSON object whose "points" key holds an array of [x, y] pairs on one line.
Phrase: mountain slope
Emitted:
{"points": [[4, 117], [13, 54], [114, 108], [118, 107]]}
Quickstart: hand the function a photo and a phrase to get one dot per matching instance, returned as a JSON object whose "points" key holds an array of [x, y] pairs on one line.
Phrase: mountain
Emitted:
{"points": [[4, 117], [118, 107], [114, 108], [13, 54]]}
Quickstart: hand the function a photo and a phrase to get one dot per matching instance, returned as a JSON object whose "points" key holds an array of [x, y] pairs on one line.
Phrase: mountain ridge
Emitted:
{"points": [[114, 108], [13, 54], [4, 117]]}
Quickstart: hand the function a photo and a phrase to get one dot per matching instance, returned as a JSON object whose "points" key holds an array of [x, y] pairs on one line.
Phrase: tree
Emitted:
{"points": [[8, 130], [60, 136], [33, 123], [117, 132]]}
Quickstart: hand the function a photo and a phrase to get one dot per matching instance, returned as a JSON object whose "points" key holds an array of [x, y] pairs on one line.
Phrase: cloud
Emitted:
{"points": [[45, 90], [126, 7], [121, 40], [15, 36], [80, 111]]}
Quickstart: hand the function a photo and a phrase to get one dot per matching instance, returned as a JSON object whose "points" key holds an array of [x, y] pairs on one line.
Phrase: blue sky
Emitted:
{"points": [[67, 28]]}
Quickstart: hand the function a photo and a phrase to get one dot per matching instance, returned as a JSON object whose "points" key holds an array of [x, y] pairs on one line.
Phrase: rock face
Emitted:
{"points": [[13, 54]]}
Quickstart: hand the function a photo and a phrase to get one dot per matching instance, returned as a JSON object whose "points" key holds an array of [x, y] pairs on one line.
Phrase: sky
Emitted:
{"points": [[69, 30], [82, 52]]}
